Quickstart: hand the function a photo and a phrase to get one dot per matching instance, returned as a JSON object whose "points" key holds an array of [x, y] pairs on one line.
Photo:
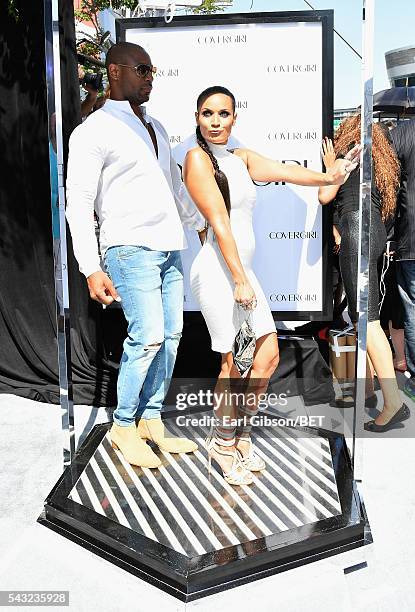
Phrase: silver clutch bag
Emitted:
{"points": [[244, 346]]}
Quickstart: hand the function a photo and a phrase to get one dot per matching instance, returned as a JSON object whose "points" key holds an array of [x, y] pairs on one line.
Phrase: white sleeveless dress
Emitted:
{"points": [[210, 280]]}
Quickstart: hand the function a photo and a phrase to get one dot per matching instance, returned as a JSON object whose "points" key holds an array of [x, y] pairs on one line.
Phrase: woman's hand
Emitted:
{"points": [[244, 295], [337, 240], [339, 171], [327, 152]]}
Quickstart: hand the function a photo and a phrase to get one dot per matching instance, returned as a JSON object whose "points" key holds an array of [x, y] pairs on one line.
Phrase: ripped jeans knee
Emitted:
{"points": [[155, 346]]}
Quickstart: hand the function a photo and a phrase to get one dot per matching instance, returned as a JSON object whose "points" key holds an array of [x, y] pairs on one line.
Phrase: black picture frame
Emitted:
{"points": [[326, 18]]}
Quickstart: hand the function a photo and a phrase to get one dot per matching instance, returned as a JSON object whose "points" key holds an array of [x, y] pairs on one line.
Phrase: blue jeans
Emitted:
{"points": [[405, 273], [150, 284]]}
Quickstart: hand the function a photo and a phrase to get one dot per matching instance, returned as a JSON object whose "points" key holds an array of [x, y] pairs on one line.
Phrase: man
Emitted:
{"points": [[120, 164], [403, 138]]}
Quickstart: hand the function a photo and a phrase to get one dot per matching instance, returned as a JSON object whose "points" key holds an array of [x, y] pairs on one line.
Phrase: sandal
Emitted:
{"points": [[238, 474], [252, 461]]}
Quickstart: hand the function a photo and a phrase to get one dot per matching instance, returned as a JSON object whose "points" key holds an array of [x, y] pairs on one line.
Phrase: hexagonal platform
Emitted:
{"points": [[191, 533]]}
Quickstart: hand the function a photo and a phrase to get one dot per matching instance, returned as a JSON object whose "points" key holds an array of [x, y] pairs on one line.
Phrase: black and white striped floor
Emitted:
{"points": [[183, 507]]}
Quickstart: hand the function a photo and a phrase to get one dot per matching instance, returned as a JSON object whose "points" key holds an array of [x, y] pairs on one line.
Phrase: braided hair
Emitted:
{"points": [[220, 176]]}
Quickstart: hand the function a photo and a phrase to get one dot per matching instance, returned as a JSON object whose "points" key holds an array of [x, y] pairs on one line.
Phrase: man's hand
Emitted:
{"points": [[92, 92], [89, 102], [101, 288]]}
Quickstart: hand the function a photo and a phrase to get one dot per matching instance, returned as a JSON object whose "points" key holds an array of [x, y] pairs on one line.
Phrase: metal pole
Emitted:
{"points": [[53, 83], [338, 34], [364, 231]]}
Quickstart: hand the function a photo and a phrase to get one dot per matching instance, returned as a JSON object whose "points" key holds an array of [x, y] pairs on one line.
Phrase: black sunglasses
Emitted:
{"points": [[142, 70]]}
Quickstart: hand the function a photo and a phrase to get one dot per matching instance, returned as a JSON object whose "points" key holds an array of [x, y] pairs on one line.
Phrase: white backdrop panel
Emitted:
{"points": [[275, 72]]}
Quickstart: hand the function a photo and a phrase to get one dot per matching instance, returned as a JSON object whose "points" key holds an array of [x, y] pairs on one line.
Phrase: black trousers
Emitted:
{"points": [[349, 230]]}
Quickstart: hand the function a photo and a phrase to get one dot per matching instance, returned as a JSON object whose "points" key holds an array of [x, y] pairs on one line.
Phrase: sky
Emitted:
{"points": [[394, 28]]}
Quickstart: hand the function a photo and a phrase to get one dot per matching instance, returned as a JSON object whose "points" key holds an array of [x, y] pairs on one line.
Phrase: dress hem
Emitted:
{"points": [[261, 335]]}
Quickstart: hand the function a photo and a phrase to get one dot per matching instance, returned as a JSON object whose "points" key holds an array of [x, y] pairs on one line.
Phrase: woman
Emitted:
{"points": [[220, 183], [384, 189]]}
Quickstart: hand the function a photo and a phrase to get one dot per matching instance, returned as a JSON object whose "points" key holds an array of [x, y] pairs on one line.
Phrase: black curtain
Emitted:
{"points": [[28, 340]]}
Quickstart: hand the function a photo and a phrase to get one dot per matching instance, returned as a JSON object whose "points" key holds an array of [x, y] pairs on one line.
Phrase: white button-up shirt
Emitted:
{"points": [[139, 199]]}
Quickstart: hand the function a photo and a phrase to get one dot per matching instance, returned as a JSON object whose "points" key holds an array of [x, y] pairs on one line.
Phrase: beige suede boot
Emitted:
{"points": [[133, 448], [153, 429]]}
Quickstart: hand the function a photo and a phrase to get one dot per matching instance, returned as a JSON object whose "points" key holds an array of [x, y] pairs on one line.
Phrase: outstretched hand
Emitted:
{"points": [[339, 171], [328, 154], [353, 156]]}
